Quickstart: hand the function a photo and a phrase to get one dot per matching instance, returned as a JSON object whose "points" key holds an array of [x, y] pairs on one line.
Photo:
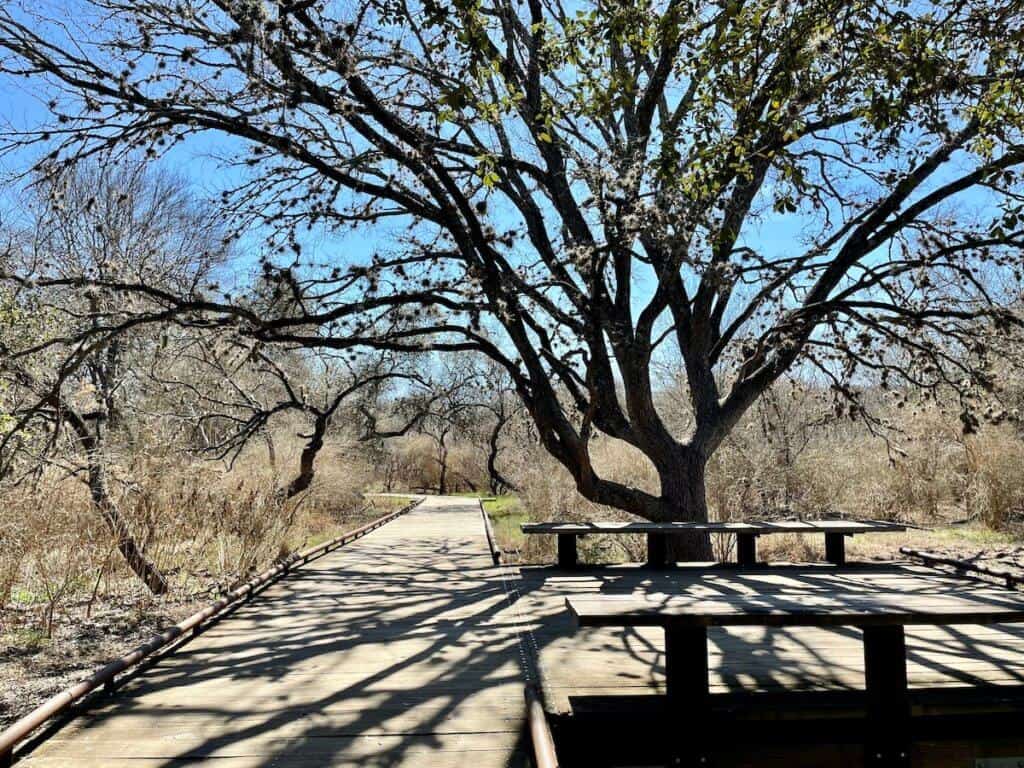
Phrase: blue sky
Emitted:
{"points": [[24, 105], [196, 160]]}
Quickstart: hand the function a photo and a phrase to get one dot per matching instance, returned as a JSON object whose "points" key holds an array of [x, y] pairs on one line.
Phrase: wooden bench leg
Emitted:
{"points": [[657, 550], [888, 708], [835, 548], [567, 550], [746, 549], [688, 688]]}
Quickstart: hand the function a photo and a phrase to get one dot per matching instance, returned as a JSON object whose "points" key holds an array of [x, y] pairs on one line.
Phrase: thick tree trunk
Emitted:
{"points": [[684, 494], [137, 561]]}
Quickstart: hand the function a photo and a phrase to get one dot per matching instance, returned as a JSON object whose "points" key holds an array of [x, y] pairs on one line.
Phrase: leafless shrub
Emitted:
{"points": [[206, 525], [995, 479]]}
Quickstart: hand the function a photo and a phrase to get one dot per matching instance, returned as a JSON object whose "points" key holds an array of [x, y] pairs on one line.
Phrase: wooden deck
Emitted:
{"points": [[393, 651], [410, 648], [596, 662]]}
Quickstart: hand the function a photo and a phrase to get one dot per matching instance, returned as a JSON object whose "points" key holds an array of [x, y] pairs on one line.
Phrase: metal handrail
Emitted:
{"points": [[544, 755], [105, 676]]}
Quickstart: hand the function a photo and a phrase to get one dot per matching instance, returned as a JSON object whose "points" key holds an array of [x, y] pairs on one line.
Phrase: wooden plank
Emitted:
{"points": [[799, 609], [400, 650], [614, 661], [888, 705], [848, 527], [567, 557], [182, 746], [746, 549], [835, 547]]}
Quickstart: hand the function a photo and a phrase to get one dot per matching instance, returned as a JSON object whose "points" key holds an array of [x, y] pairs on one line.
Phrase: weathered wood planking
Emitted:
{"points": [[759, 528], [398, 650], [614, 661], [881, 617], [402, 650], [747, 533], [791, 609]]}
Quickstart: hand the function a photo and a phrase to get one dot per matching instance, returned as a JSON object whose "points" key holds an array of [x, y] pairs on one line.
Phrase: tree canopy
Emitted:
{"points": [[566, 187]]}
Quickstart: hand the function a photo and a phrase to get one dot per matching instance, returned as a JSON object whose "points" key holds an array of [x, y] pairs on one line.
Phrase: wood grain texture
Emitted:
{"points": [[798, 608], [410, 648], [576, 664], [756, 528], [397, 650]]}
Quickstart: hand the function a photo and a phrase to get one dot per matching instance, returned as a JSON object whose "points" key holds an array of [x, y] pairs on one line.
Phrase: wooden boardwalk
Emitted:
{"points": [[396, 650], [409, 648]]}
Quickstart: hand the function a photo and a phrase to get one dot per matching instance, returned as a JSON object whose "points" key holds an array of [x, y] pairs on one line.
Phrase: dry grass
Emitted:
{"points": [[205, 526], [69, 602], [934, 476]]}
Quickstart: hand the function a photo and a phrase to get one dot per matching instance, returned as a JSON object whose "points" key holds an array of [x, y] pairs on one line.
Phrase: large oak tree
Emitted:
{"points": [[565, 187]]}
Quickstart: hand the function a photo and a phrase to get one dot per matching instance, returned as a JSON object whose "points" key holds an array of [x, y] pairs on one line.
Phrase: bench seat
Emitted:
{"points": [[835, 532]]}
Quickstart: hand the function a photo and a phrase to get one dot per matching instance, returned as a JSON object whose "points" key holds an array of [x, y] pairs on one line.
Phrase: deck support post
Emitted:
{"points": [[888, 708], [688, 693], [567, 550], [746, 549], [657, 550], [835, 548]]}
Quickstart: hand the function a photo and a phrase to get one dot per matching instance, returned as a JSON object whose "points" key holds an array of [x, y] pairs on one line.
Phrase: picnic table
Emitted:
{"points": [[881, 616], [835, 532]]}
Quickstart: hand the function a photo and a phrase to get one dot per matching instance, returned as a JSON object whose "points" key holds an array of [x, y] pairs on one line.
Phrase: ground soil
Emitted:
{"points": [[34, 667]]}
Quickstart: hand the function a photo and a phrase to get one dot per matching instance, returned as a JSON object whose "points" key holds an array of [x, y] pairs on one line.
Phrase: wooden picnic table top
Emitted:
{"points": [[799, 608], [753, 527]]}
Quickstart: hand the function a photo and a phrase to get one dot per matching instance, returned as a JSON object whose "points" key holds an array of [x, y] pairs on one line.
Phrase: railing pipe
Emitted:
{"points": [[492, 542], [544, 755]]}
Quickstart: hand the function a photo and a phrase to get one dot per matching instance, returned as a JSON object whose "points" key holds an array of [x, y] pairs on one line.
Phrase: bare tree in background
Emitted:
{"points": [[566, 192], [501, 406], [452, 414], [109, 224], [238, 389]]}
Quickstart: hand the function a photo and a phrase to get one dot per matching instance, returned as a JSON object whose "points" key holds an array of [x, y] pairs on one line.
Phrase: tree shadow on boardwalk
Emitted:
{"points": [[392, 652], [766, 682], [753, 659], [412, 650]]}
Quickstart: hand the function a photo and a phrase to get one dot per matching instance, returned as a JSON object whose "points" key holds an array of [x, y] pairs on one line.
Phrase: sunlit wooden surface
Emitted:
{"points": [[409, 648], [394, 651], [616, 661]]}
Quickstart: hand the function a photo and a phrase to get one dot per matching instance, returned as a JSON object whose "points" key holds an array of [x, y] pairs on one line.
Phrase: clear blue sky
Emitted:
{"points": [[196, 160], [24, 105]]}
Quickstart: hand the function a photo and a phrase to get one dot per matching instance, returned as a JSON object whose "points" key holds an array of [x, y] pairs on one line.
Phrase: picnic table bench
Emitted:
{"points": [[881, 616], [835, 531]]}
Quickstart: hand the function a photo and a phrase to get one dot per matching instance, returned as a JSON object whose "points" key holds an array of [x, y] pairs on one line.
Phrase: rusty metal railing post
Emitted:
{"points": [[492, 542]]}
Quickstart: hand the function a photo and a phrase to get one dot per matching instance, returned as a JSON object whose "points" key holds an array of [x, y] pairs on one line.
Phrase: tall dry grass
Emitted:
{"points": [[927, 472], [205, 525]]}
